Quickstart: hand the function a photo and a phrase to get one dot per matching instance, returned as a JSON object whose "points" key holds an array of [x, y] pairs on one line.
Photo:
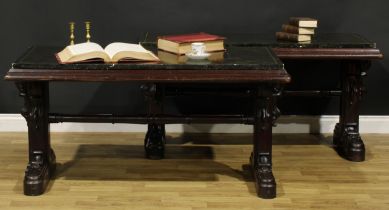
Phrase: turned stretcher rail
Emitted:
{"points": [[139, 119], [313, 93], [249, 93]]}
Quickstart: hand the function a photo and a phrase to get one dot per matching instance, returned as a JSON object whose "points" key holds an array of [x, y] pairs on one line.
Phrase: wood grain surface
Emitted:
{"points": [[109, 171]]}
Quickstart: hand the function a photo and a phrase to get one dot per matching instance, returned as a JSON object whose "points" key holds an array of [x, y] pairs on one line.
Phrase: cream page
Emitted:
{"points": [[83, 48], [116, 47]]}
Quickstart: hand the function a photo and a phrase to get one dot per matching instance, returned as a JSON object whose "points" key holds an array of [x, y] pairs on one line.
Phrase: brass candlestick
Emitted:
{"points": [[87, 27], [71, 26]]}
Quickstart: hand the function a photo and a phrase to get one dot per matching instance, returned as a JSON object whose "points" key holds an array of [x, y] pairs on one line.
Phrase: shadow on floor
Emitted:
{"points": [[184, 161], [246, 139], [127, 162]]}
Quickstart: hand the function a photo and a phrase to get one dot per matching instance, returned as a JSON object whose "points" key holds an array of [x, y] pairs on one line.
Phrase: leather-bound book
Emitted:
{"points": [[293, 37], [181, 44], [173, 58], [303, 22], [297, 30]]}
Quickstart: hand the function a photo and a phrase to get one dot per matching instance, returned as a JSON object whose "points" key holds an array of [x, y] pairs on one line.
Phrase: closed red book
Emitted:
{"points": [[197, 37], [181, 44]]}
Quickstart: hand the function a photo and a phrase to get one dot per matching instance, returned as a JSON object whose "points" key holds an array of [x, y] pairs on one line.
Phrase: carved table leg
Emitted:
{"points": [[347, 139], [261, 157], [155, 136], [155, 142], [41, 165]]}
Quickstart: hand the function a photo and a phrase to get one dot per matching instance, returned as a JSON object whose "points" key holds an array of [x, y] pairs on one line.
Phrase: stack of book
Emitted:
{"points": [[181, 44], [299, 29]]}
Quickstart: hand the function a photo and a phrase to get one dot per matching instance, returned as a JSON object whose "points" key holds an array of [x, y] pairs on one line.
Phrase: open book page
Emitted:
{"points": [[86, 47], [118, 50], [82, 52], [89, 51]]}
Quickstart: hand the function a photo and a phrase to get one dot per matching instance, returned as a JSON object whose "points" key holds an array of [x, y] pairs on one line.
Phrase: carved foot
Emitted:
{"points": [[349, 144], [38, 173], [264, 180], [155, 142]]}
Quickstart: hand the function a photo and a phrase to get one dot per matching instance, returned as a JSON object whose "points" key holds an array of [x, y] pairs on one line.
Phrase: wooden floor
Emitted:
{"points": [[108, 171]]}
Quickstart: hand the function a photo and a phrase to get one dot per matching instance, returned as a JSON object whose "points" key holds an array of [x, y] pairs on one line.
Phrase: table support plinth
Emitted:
{"points": [[265, 114], [348, 143], [41, 165], [347, 140]]}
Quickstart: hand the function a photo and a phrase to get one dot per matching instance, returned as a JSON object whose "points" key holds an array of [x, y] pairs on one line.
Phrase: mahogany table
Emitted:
{"points": [[257, 69], [352, 51], [355, 53]]}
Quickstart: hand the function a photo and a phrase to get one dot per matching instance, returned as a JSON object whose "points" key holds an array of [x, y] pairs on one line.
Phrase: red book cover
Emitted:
{"points": [[197, 37]]}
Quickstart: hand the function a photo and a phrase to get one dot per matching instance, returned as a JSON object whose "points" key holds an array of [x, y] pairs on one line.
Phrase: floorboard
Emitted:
{"points": [[109, 171]]}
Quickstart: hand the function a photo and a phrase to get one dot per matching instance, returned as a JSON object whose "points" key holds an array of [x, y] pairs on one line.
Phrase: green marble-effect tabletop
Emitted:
{"points": [[233, 58], [320, 40]]}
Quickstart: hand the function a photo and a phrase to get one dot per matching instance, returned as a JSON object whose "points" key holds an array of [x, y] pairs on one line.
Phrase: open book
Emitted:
{"points": [[114, 52]]}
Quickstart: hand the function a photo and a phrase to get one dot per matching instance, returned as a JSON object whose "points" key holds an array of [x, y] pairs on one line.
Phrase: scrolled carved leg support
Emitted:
{"points": [[261, 158], [347, 140], [41, 165]]}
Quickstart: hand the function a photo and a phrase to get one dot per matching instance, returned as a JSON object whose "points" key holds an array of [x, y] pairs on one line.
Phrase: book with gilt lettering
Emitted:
{"points": [[303, 22], [293, 37], [297, 30], [181, 44], [112, 53]]}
